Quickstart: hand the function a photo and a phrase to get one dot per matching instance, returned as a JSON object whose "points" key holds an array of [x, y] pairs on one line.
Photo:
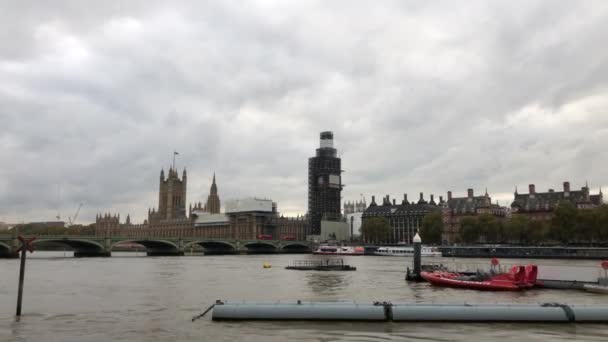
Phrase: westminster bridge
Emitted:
{"points": [[102, 246]]}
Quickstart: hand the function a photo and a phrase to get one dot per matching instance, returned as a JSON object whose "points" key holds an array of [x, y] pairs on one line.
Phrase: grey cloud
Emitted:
{"points": [[426, 97]]}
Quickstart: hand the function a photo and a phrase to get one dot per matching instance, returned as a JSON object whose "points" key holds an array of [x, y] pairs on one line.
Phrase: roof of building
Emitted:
{"points": [[469, 204], [399, 209], [549, 200], [211, 219]]}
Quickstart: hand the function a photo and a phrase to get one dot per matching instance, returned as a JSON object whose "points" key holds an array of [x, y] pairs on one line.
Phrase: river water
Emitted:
{"points": [[137, 298]]}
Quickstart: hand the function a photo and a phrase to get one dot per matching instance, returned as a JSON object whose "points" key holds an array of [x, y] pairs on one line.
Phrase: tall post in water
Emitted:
{"points": [[417, 256], [414, 275], [26, 244]]}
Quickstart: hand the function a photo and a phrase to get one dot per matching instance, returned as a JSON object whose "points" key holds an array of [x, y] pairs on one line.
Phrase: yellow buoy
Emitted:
{"points": [[267, 265]]}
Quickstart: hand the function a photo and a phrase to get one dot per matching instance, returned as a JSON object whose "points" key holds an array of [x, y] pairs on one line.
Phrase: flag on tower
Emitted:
{"points": [[175, 153]]}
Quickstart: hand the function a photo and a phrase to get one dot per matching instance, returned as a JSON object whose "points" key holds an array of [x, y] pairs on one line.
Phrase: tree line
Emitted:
{"points": [[568, 225]]}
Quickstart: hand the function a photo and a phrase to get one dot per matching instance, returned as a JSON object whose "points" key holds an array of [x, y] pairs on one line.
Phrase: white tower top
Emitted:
{"points": [[417, 238], [327, 139]]}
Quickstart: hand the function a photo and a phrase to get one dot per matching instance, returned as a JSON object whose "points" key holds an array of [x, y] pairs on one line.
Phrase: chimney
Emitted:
{"points": [[551, 190], [566, 186], [449, 195], [421, 196], [405, 199], [470, 193], [531, 189], [374, 200], [394, 203], [440, 199]]}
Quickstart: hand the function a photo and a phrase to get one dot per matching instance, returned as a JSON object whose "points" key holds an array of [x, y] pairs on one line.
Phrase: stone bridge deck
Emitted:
{"points": [[90, 246]]}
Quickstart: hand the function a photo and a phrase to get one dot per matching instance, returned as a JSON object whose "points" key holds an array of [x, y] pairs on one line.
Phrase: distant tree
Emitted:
{"points": [[488, 227], [516, 229], [432, 228], [535, 232], [602, 223], [564, 222], [469, 230], [375, 229], [588, 225]]}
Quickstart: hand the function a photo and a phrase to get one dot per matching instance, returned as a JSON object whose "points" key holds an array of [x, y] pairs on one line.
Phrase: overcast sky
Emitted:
{"points": [[424, 96]]}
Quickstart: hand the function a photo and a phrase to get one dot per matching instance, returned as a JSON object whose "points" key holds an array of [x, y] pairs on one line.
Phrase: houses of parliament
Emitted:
{"points": [[170, 218]]}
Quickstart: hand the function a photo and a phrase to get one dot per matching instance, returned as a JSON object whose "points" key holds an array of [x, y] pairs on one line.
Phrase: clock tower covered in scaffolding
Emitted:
{"points": [[324, 184]]}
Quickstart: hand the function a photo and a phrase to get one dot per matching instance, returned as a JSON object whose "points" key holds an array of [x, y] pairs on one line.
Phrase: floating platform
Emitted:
{"points": [[410, 312], [320, 265]]}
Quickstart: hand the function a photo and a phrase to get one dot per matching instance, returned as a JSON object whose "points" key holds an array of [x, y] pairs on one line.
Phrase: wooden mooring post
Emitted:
{"points": [[26, 245]]}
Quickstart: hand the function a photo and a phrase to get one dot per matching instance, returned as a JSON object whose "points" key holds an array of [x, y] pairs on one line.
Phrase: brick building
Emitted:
{"points": [[457, 208], [540, 205]]}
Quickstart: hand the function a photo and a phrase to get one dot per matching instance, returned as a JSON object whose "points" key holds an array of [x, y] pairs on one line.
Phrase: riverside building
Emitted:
{"points": [[405, 218], [540, 205]]}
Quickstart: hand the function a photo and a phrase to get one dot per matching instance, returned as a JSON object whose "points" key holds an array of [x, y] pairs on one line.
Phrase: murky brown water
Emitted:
{"points": [[127, 298]]}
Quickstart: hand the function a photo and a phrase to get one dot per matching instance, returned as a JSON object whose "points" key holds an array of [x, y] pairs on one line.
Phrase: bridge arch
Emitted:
{"points": [[296, 247], [153, 247], [4, 248], [214, 246], [147, 243], [81, 247], [260, 247]]}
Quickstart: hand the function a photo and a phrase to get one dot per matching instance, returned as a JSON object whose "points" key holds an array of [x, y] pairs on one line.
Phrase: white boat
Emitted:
{"points": [[596, 288], [339, 250], [407, 251]]}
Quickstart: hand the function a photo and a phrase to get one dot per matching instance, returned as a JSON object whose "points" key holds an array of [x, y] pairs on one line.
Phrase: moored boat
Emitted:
{"points": [[515, 280], [320, 265], [339, 250], [426, 251]]}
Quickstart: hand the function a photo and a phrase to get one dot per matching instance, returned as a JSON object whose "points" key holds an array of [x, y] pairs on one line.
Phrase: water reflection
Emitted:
{"points": [[325, 283]]}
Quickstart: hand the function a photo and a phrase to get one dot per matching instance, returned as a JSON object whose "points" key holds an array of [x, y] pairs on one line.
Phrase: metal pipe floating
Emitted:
{"points": [[410, 312]]}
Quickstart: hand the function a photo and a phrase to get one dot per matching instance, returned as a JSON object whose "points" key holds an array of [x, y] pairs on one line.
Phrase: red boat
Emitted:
{"points": [[515, 280]]}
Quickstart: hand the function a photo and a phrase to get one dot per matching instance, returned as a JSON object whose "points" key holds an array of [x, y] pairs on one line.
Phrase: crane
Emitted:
{"points": [[71, 220]]}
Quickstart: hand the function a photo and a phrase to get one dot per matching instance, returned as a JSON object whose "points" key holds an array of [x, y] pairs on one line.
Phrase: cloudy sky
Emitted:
{"points": [[424, 96]]}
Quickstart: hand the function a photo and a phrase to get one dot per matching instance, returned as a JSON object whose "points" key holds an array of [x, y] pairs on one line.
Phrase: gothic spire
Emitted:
{"points": [[213, 185]]}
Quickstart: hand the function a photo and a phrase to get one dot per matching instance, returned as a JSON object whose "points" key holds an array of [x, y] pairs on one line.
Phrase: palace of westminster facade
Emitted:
{"points": [[171, 219]]}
